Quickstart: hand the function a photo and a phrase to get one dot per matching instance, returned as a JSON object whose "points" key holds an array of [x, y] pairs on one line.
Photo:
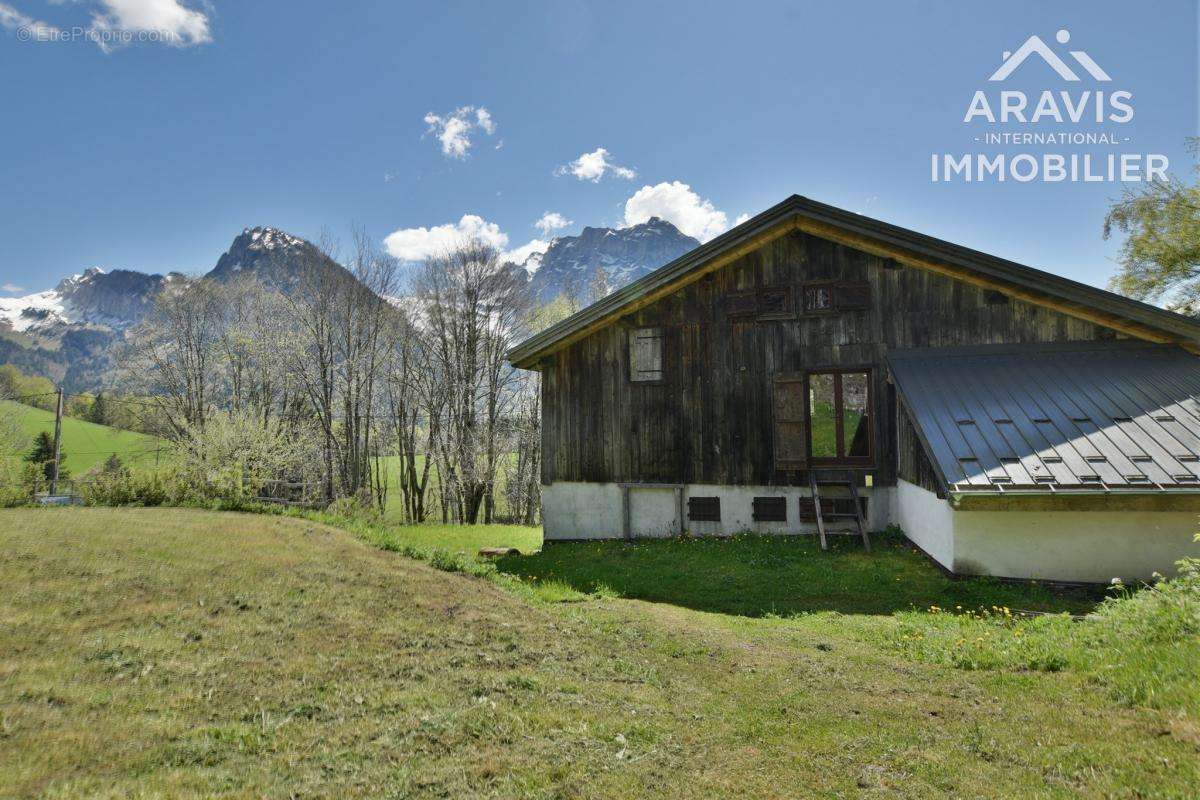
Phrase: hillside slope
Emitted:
{"points": [[173, 653], [86, 444]]}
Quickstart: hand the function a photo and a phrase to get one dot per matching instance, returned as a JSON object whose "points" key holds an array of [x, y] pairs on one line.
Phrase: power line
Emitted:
{"points": [[20, 398]]}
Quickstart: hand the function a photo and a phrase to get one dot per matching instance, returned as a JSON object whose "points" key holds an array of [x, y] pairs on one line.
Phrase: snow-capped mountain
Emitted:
{"points": [[626, 254], [114, 300], [271, 255], [71, 333]]}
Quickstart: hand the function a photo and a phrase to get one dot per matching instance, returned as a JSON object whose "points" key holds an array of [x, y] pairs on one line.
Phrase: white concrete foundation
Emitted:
{"points": [[1071, 546], [573, 511], [1076, 546]]}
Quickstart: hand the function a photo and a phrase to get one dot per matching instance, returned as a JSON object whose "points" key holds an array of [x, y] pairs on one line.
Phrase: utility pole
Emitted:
{"points": [[58, 411]]}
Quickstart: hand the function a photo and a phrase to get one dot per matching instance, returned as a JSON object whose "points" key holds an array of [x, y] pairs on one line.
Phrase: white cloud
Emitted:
{"points": [[416, 244], [454, 130], [592, 166], [166, 21], [522, 253], [551, 221], [679, 205], [741, 218], [484, 120], [11, 287], [13, 20]]}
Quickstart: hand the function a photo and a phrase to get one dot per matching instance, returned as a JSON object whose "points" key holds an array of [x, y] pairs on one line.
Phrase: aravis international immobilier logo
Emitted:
{"points": [[1073, 132]]}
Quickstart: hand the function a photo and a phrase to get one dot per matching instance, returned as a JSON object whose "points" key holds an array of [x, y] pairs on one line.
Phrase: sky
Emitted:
{"points": [[146, 134]]}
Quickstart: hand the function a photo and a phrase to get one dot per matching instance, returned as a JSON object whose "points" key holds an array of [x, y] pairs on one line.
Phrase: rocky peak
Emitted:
{"points": [[570, 263], [273, 256]]}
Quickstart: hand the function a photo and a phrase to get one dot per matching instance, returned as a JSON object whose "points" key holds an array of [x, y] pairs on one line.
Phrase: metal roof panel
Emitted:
{"points": [[1079, 416]]}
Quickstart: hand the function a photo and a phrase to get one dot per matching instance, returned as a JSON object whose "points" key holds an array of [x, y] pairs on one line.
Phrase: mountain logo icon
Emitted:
{"points": [[1034, 44]]}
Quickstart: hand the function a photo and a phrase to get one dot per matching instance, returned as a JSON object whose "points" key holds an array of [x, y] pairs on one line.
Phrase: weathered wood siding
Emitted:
{"points": [[912, 462], [709, 419]]}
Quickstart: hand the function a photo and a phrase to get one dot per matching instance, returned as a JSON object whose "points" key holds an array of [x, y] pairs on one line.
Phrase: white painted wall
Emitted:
{"points": [[1084, 546], [581, 511], [576, 510], [927, 520], [652, 512]]}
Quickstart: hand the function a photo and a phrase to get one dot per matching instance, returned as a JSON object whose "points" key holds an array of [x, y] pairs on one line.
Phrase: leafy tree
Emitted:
{"points": [[1160, 259], [42, 456], [32, 390]]}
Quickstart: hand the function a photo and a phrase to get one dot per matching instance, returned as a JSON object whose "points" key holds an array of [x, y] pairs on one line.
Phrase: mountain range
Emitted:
{"points": [[70, 333]]}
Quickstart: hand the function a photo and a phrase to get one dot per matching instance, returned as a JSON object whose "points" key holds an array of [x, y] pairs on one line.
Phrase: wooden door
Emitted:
{"points": [[791, 425]]}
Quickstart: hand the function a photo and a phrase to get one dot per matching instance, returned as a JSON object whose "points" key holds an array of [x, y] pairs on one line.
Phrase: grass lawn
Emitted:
{"points": [[177, 653], [781, 575], [86, 444], [466, 539]]}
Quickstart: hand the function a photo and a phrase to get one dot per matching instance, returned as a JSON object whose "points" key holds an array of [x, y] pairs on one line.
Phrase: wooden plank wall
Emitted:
{"points": [[912, 462], [709, 420]]}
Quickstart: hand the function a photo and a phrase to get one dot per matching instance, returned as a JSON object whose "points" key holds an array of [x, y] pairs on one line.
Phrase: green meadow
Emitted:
{"points": [[86, 444]]}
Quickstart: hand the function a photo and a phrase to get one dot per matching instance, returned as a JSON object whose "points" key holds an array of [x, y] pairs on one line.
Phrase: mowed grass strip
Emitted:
{"points": [[177, 653]]}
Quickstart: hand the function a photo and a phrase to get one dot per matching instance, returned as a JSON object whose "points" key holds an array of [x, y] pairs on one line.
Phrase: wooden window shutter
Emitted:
{"points": [[770, 509], [741, 304], [776, 301], [791, 435], [645, 355], [853, 296], [704, 509]]}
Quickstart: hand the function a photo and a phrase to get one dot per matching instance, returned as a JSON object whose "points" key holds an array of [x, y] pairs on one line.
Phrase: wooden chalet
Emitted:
{"points": [[817, 371]]}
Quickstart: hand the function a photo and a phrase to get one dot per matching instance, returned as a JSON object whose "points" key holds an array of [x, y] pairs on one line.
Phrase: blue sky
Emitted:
{"points": [[153, 155]]}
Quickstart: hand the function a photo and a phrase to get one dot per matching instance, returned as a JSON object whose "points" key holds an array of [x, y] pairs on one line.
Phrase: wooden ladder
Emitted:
{"points": [[850, 482]]}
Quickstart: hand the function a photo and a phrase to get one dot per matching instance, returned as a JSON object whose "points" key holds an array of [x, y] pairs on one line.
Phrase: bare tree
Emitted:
{"points": [[600, 286], [472, 307], [414, 410], [173, 353], [343, 322]]}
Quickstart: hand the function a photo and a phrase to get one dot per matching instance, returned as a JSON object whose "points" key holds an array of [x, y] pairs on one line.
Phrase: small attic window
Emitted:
{"points": [[645, 355], [818, 298]]}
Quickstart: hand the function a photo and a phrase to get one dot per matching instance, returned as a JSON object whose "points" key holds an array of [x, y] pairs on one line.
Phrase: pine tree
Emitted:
{"points": [[42, 456], [98, 413]]}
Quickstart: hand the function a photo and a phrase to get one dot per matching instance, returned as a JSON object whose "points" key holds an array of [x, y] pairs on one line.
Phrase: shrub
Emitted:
{"points": [[235, 455], [123, 487]]}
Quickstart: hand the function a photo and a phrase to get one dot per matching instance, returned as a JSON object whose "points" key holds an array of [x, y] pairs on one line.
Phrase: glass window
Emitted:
{"points": [[856, 427], [818, 298], [822, 414], [839, 414]]}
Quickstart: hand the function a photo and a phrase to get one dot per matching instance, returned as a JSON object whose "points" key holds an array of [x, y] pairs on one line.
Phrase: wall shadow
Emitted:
{"points": [[756, 576]]}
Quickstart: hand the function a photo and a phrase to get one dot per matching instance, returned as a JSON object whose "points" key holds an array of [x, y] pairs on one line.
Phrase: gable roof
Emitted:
{"points": [[879, 238], [1074, 417]]}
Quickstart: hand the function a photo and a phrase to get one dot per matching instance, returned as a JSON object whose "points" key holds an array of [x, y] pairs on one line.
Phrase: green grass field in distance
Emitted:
{"points": [[394, 511], [86, 444]]}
